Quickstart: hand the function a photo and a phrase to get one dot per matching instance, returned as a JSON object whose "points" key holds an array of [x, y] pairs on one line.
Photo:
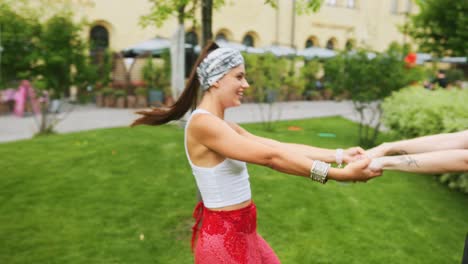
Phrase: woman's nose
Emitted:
{"points": [[245, 84]]}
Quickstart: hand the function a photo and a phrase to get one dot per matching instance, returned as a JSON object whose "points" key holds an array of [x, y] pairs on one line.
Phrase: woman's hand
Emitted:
{"points": [[360, 171], [379, 151], [378, 164], [353, 154]]}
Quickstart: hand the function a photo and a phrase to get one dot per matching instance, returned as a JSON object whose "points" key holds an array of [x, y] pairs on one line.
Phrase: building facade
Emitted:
{"points": [[339, 24]]}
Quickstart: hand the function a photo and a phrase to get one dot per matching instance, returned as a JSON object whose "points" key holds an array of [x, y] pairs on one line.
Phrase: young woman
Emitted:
{"points": [[218, 152], [440, 153]]}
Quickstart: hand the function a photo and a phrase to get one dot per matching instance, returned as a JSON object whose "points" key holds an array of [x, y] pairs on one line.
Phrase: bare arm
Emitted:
{"points": [[315, 153], [217, 136], [430, 162], [457, 140]]}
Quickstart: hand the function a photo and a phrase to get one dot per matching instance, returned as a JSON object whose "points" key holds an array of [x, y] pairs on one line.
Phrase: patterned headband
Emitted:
{"points": [[217, 64]]}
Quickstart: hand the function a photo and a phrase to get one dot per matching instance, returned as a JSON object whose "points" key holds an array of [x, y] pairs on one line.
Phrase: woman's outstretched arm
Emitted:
{"points": [[430, 162], [315, 153], [219, 137], [457, 140]]}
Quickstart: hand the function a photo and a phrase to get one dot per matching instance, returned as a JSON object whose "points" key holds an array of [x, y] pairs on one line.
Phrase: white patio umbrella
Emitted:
{"points": [[280, 51], [370, 55], [155, 46], [316, 52], [233, 45], [423, 57], [454, 60]]}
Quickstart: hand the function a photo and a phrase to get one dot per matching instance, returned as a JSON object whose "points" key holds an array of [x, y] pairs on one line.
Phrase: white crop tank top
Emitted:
{"points": [[225, 184]]}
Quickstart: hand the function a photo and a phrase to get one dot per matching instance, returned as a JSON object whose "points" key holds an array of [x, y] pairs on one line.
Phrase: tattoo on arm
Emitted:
{"points": [[401, 152], [408, 160]]}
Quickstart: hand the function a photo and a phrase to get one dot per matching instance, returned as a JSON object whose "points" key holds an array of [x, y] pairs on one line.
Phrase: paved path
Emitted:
{"points": [[89, 117]]}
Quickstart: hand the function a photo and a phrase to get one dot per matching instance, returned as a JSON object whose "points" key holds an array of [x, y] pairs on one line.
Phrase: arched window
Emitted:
{"points": [[191, 38], [99, 38], [331, 44], [349, 44], [190, 56], [312, 41], [248, 41], [221, 36]]}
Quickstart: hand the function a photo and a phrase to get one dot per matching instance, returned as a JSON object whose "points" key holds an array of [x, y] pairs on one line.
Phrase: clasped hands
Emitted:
{"points": [[360, 167]]}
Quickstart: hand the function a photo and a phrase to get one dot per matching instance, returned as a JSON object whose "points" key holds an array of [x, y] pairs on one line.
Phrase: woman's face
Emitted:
{"points": [[231, 87]]}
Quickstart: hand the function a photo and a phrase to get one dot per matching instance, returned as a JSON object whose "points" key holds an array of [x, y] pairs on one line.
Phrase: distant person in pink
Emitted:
{"points": [[23, 96]]}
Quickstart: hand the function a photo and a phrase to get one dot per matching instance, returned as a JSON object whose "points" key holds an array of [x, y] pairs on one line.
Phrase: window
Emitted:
{"points": [[190, 56], [350, 4], [331, 44], [99, 38], [248, 41], [221, 36], [394, 7], [309, 43], [191, 38], [330, 2], [349, 44]]}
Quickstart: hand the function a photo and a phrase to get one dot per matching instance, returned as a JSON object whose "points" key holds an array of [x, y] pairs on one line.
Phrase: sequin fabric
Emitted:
{"points": [[229, 237]]}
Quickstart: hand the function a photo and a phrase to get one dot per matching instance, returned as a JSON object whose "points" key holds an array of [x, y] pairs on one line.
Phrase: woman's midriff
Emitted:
{"points": [[233, 207]]}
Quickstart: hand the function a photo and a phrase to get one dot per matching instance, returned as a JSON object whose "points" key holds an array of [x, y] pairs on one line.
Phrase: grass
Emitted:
{"points": [[126, 196]]}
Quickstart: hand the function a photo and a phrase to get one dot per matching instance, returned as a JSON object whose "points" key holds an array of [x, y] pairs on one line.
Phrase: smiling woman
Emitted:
{"points": [[225, 229]]}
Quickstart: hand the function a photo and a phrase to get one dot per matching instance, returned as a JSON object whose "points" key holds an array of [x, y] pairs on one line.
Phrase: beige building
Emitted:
{"points": [[370, 24]]}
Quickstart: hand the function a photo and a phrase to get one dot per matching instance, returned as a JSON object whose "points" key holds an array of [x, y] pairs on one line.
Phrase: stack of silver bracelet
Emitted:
{"points": [[319, 171]]}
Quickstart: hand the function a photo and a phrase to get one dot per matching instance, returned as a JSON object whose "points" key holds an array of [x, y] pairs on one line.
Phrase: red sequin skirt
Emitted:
{"points": [[229, 237]]}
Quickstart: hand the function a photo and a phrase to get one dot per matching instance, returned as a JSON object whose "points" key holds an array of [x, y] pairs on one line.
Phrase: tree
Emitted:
{"points": [[61, 52], [441, 27], [18, 35], [21, 32], [368, 80]]}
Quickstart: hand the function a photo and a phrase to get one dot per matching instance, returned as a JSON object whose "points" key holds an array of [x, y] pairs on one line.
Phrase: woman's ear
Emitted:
{"points": [[216, 84]]}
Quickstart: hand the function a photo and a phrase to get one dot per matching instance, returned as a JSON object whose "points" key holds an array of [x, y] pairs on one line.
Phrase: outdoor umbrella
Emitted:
{"points": [[155, 46], [316, 52], [280, 51]]}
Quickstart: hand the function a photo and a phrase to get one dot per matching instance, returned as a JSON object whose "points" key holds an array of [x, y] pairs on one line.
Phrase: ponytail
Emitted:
{"points": [[187, 100]]}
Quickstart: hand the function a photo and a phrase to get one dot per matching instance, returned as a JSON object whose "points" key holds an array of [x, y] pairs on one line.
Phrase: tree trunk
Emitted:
{"points": [[181, 14], [207, 19]]}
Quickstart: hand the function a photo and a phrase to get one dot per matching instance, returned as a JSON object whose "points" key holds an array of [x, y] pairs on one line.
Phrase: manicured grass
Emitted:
{"points": [[89, 197]]}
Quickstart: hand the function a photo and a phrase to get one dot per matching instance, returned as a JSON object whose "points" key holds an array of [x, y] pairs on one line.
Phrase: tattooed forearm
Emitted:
{"points": [[401, 152], [408, 160]]}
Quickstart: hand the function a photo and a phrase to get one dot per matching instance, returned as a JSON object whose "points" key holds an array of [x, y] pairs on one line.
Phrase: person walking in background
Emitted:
{"points": [[225, 229], [440, 80], [21, 99], [25, 95]]}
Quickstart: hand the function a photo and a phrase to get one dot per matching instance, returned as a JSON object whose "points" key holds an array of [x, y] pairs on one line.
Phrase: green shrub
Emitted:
{"points": [[141, 91], [120, 93], [107, 91], [415, 111]]}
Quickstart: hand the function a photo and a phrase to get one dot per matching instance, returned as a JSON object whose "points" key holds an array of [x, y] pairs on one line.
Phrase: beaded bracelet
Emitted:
{"points": [[339, 157], [319, 171]]}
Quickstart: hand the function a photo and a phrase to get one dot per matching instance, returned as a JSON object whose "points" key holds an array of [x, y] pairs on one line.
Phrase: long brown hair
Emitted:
{"points": [[188, 99]]}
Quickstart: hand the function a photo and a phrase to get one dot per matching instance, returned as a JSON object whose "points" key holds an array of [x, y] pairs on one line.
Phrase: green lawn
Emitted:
{"points": [[88, 197]]}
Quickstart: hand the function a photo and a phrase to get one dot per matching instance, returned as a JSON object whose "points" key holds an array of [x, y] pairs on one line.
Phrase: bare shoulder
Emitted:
{"points": [[205, 125], [227, 140]]}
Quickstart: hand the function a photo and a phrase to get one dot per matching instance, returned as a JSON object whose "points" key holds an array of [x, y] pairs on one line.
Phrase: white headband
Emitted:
{"points": [[217, 64]]}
